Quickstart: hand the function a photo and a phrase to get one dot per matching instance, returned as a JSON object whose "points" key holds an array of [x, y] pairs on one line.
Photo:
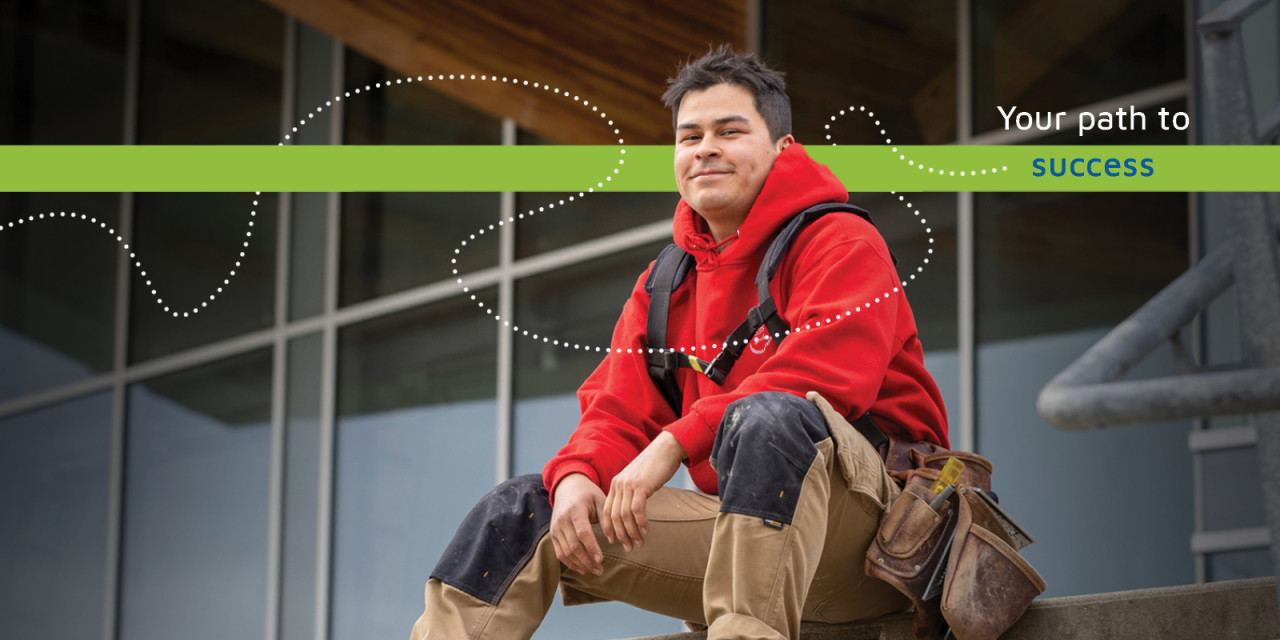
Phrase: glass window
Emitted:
{"points": [[396, 241], [54, 469], [596, 215], [898, 59], [1054, 262], [415, 450], [1054, 273], [196, 502], [1239, 565], [62, 71], [1232, 489], [1055, 56], [189, 245], [61, 82], [211, 74], [57, 314]]}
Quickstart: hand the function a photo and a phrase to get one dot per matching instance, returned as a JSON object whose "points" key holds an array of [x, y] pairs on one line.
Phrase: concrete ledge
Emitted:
{"points": [[1231, 610]]}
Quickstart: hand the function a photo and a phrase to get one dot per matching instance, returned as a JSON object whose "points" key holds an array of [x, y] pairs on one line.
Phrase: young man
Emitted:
{"points": [[791, 494]]}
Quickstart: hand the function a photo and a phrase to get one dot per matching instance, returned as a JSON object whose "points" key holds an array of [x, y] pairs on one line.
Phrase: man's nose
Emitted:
{"points": [[707, 148]]}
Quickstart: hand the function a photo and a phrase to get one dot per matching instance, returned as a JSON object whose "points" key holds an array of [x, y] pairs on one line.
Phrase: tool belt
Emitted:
{"points": [[956, 559]]}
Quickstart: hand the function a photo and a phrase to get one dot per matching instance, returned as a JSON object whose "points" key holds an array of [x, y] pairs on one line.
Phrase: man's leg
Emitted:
{"points": [[779, 479], [498, 576]]}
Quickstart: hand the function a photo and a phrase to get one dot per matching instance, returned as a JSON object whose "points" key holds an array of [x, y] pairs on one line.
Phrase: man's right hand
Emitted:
{"points": [[578, 503]]}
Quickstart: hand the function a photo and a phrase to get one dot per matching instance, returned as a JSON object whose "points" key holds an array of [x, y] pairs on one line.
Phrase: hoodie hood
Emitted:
{"points": [[794, 184]]}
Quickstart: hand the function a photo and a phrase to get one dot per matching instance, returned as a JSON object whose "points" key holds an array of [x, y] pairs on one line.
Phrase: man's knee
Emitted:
{"points": [[763, 420], [495, 539], [763, 450]]}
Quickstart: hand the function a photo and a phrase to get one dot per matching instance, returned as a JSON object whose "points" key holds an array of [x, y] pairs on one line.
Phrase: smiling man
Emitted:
{"points": [[790, 492]]}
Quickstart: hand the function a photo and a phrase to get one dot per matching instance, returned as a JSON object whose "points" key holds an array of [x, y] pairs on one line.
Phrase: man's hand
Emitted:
{"points": [[578, 503], [623, 518]]}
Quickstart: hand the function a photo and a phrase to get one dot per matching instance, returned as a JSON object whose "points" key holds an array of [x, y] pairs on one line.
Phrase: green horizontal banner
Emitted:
{"points": [[615, 168]]}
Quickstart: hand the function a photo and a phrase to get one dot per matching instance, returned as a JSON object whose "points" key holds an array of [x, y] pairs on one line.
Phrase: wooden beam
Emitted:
{"points": [[616, 54]]}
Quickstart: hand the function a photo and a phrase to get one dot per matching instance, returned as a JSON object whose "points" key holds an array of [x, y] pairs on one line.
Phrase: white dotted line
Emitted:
{"points": [[902, 157], [515, 329], [133, 257]]}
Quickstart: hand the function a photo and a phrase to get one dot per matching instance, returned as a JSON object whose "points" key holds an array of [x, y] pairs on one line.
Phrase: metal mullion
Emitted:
{"points": [[280, 352], [328, 374], [1239, 539], [966, 303], [506, 306], [120, 361], [598, 248], [1195, 251]]}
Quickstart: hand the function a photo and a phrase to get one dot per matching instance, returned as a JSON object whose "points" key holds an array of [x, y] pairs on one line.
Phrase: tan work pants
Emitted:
{"points": [[741, 577]]}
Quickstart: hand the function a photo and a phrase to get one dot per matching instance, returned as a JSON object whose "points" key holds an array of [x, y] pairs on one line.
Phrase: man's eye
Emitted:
{"points": [[729, 132], [690, 138]]}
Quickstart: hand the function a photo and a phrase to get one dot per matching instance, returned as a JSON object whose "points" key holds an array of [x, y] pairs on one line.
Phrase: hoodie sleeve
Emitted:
{"points": [[622, 409], [843, 306]]}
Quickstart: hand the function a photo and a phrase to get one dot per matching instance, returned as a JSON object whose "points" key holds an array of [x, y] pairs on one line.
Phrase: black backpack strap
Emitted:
{"points": [[669, 270]]}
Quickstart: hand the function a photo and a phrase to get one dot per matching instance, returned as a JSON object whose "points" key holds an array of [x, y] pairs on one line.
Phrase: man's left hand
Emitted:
{"points": [[623, 518]]}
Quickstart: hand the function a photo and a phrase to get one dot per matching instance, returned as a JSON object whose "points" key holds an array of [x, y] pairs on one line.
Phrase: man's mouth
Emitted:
{"points": [[710, 173]]}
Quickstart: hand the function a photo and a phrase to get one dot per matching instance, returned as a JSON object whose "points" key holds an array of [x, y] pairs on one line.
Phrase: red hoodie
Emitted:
{"points": [[860, 349]]}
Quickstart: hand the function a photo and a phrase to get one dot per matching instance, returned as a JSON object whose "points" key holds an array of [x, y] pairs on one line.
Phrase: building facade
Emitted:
{"points": [[290, 461]]}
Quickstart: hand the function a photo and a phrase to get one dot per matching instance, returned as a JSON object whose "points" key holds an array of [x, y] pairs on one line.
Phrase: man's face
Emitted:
{"points": [[723, 154]]}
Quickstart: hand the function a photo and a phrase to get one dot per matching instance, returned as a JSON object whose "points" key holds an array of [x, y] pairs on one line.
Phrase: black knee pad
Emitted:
{"points": [[763, 449], [497, 538]]}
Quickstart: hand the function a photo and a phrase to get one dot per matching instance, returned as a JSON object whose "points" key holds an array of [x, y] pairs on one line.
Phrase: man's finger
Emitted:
{"points": [[588, 550], [629, 533], [642, 521], [619, 498], [562, 553], [606, 520], [575, 552]]}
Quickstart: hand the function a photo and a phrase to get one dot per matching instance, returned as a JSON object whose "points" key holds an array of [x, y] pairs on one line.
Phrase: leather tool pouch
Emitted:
{"points": [[989, 585], [958, 561]]}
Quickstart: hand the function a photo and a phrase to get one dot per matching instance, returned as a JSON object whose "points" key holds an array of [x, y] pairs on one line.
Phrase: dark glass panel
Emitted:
{"points": [[57, 288], [897, 59], [196, 502], [395, 241], [54, 468], [415, 450], [1056, 56], [62, 74]]}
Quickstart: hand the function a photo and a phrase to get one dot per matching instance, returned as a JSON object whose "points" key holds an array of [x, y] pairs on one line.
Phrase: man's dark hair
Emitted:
{"points": [[722, 65]]}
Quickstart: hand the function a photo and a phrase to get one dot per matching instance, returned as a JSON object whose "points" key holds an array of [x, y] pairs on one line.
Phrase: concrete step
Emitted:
{"points": [[1230, 610]]}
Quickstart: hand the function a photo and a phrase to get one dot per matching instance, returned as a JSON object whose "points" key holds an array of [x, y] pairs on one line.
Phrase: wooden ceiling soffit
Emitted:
{"points": [[617, 54]]}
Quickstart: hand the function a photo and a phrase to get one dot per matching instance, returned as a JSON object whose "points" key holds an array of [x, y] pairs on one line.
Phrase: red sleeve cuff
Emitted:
{"points": [[695, 435], [551, 476]]}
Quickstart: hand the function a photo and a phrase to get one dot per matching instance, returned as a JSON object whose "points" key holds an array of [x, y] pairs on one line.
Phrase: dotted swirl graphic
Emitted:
{"points": [[514, 219], [902, 157]]}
